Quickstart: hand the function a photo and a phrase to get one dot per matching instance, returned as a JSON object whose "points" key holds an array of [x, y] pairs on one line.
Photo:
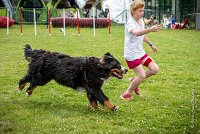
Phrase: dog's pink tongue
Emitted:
{"points": [[117, 75]]}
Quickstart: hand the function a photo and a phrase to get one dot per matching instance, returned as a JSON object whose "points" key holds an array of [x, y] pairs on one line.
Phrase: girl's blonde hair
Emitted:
{"points": [[137, 4]]}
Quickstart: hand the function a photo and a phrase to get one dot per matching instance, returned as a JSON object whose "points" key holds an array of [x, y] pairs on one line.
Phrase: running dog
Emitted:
{"points": [[88, 73]]}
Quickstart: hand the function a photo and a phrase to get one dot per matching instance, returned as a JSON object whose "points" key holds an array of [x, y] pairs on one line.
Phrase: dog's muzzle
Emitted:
{"points": [[124, 70], [119, 73]]}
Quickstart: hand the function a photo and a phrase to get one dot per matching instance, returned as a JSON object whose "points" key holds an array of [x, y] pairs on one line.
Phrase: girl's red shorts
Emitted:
{"points": [[137, 62]]}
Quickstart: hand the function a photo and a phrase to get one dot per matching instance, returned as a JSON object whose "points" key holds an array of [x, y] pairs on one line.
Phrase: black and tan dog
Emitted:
{"points": [[75, 72]]}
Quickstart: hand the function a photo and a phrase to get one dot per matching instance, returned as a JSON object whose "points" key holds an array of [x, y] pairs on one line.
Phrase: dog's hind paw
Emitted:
{"points": [[19, 90], [27, 94], [115, 108]]}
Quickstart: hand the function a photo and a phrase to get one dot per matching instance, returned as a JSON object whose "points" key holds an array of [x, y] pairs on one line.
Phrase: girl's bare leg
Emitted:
{"points": [[140, 77]]}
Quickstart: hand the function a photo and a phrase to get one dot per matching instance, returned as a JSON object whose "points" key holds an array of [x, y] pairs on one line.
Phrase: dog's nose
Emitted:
{"points": [[124, 70]]}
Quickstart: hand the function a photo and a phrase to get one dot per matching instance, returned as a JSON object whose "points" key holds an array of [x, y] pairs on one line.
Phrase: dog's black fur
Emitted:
{"points": [[86, 72]]}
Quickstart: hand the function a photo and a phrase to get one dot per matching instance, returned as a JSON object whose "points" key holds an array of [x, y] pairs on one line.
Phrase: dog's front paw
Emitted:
{"points": [[115, 108], [19, 90], [27, 94]]}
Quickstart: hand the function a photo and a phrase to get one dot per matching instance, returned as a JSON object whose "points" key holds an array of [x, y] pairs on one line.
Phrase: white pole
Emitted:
{"points": [[34, 17], [7, 21], [64, 20], [78, 22], [94, 20]]}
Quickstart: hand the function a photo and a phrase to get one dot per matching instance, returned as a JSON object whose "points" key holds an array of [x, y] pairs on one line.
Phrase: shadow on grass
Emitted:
{"points": [[62, 105]]}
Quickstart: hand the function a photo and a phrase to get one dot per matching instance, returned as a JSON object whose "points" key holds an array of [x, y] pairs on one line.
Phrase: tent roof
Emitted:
{"points": [[1, 4], [90, 3], [64, 4], [31, 3]]}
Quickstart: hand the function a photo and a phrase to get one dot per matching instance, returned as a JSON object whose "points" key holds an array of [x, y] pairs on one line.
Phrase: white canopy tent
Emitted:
{"points": [[8, 6], [81, 3], [119, 9]]}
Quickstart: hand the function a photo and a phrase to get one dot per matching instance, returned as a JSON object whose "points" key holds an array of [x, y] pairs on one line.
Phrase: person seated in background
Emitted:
{"points": [[183, 25], [151, 21], [166, 22]]}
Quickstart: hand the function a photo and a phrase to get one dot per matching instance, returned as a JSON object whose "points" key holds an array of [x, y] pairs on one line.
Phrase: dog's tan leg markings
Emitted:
{"points": [[30, 91], [108, 105], [21, 86], [94, 104]]}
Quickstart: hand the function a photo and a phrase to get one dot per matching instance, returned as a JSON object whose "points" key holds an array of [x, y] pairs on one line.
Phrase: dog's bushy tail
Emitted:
{"points": [[28, 52]]}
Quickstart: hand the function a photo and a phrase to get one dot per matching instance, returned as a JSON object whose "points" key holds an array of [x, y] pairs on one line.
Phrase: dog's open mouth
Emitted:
{"points": [[117, 73]]}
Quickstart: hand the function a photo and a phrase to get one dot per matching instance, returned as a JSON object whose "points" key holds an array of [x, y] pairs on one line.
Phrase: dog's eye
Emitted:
{"points": [[117, 66]]}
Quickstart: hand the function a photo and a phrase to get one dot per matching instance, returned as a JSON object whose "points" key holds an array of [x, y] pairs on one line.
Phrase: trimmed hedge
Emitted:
{"points": [[83, 22]]}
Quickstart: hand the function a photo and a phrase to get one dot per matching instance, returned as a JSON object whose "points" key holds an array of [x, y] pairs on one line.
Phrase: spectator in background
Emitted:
{"points": [[152, 21]]}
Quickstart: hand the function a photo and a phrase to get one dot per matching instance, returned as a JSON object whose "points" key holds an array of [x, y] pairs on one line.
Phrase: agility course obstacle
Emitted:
{"points": [[27, 11], [59, 14], [84, 22]]}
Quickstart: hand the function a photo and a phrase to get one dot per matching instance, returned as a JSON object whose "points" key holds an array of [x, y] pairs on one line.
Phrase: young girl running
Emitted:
{"points": [[134, 53]]}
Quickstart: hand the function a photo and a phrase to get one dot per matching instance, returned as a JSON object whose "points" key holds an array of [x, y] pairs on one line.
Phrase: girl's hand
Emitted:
{"points": [[154, 48], [156, 28]]}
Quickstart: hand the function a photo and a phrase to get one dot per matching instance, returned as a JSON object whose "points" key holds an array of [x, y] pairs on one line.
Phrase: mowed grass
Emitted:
{"points": [[169, 102]]}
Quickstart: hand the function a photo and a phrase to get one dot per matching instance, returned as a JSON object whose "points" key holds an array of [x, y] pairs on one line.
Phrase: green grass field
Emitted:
{"points": [[169, 102]]}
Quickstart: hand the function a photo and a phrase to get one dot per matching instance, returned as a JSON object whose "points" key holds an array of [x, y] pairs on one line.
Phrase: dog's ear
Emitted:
{"points": [[107, 57], [108, 54]]}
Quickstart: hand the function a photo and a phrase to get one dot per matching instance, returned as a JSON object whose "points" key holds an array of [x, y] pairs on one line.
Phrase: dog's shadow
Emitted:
{"points": [[63, 107]]}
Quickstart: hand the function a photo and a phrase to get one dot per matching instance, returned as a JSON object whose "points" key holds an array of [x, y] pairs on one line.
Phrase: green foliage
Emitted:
{"points": [[169, 101]]}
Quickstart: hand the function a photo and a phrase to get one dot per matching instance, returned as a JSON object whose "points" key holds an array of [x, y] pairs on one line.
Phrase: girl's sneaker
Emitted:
{"points": [[126, 96], [137, 90]]}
